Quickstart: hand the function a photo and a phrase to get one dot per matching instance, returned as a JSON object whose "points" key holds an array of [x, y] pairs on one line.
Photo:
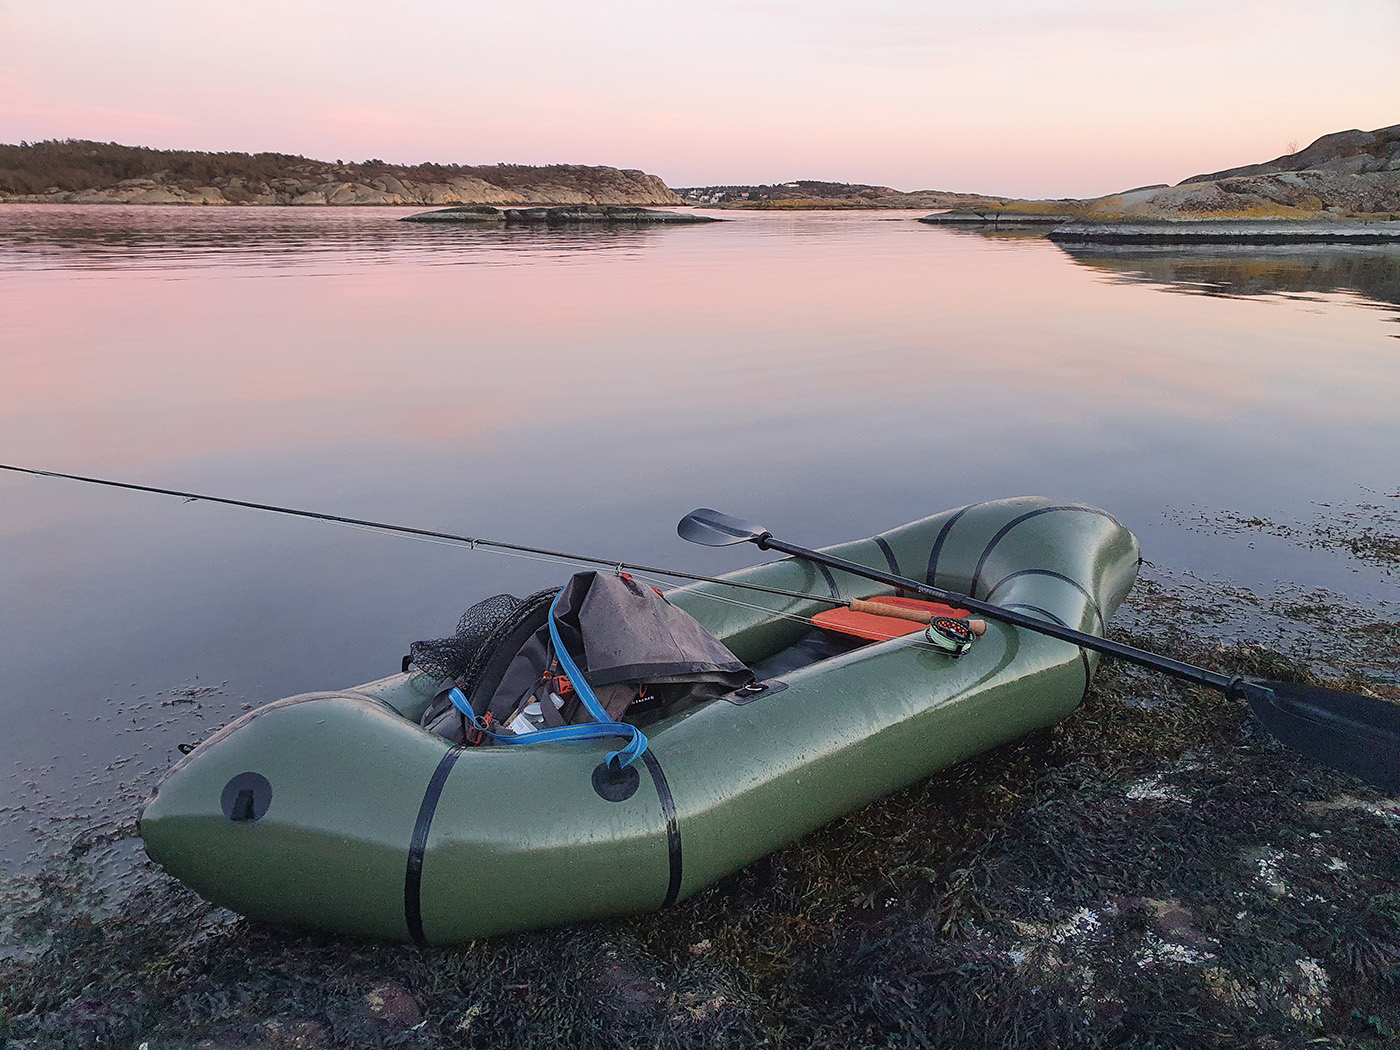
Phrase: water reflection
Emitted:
{"points": [[145, 237], [1004, 234], [1369, 271], [833, 374]]}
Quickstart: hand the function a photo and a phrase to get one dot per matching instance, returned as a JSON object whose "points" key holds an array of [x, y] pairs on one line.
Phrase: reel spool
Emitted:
{"points": [[954, 637]]}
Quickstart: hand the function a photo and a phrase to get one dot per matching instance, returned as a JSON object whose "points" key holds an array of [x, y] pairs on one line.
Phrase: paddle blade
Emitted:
{"points": [[1357, 734], [714, 529]]}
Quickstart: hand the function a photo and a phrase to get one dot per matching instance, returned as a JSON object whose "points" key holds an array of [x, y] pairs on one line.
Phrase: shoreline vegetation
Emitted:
{"points": [[1152, 871], [80, 172], [1343, 178]]}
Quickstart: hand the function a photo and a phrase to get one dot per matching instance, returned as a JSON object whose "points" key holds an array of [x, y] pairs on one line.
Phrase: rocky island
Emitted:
{"points": [[1226, 231], [1328, 192], [814, 195], [1000, 218], [1340, 178], [1349, 174], [79, 172], [1343, 188], [566, 215]]}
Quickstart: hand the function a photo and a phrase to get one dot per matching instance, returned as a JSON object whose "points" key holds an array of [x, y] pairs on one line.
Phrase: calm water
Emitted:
{"points": [[830, 374]]}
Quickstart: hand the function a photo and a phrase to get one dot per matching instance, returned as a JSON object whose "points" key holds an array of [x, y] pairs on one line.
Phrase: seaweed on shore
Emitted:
{"points": [[1153, 871], [1367, 531]]}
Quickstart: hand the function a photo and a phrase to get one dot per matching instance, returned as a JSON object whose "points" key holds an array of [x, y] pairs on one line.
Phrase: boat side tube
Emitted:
{"points": [[335, 811]]}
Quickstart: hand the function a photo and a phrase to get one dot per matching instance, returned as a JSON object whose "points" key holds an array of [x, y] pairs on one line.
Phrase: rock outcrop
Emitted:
{"points": [[1342, 153], [567, 215], [1344, 177], [999, 219], [76, 172], [1227, 231], [810, 195], [1350, 174]]}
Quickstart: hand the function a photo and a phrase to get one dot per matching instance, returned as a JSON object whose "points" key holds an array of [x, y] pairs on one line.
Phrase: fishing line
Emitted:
{"points": [[650, 573], [1352, 732], [433, 536], [645, 578]]}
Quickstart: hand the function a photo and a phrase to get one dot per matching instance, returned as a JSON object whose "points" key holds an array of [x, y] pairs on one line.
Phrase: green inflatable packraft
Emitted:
{"points": [[337, 811]]}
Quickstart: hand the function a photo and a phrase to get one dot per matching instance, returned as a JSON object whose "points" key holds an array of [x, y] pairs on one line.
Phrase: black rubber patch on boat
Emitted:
{"points": [[986, 553], [246, 797], [673, 832], [890, 559], [888, 552], [1083, 653], [413, 877], [615, 782], [931, 574], [830, 580], [1093, 605]]}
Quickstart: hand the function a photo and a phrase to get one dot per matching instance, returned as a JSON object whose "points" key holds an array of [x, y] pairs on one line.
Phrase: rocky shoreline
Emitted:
{"points": [[995, 219], [808, 195], [1226, 231], [1151, 871], [79, 172], [570, 215], [1346, 177], [632, 189], [1349, 175]]}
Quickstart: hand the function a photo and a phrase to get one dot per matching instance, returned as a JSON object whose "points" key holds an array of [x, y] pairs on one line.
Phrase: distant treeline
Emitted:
{"points": [[805, 189], [75, 164]]}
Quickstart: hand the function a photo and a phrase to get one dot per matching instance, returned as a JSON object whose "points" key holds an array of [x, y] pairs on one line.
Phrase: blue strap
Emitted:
{"points": [[601, 718], [587, 731], [601, 726]]}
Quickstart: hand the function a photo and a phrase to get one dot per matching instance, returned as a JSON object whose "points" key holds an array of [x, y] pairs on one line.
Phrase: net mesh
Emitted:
{"points": [[462, 656], [452, 657]]}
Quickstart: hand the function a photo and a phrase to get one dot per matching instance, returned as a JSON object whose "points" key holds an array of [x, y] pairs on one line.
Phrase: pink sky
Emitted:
{"points": [[1018, 97]]}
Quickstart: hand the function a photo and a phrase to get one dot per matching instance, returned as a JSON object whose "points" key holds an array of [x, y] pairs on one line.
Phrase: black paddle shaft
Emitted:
{"points": [[1235, 687], [1357, 734]]}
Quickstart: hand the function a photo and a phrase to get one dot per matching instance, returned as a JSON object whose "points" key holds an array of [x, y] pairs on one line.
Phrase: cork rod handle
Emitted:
{"points": [[878, 608]]}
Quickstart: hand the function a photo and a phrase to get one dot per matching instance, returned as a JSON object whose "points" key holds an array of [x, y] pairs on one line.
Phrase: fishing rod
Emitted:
{"points": [[1357, 734], [472, 542]]}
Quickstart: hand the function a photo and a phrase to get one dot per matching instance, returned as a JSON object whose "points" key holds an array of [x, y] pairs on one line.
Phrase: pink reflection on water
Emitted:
{"points": [[463, 338]]}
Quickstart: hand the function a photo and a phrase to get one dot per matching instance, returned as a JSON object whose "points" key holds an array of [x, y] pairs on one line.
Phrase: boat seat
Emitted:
{"points": [[875, 628]]}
